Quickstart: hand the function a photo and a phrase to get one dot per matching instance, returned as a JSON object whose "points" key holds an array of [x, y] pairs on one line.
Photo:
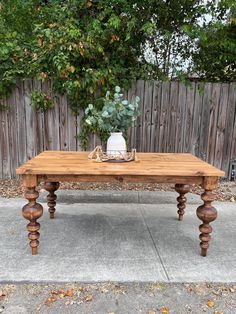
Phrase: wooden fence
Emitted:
{"points": [[174, 118]]}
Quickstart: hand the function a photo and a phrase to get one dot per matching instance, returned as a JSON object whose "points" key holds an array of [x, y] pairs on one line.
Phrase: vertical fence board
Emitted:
{"points": [[52, 121], [5, 152], [140, 92], [214, 108], [229, 124], [12, 134], [156, 116], [132, 131], [189, 117], [147, 117], [164, 116], [72, 122], [180, 122], [30, 121], [197, 114], [63, 126], [205, 119], [173, 116], [39, 122], [21, 126], [221, 121], [78, 129]]}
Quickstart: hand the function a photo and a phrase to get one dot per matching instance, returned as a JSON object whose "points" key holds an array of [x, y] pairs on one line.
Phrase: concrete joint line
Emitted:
{"points": [[155, 247]]}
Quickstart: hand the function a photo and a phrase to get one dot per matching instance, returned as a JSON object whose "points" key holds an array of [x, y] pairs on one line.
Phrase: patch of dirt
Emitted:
{"points": [[225, 192], [114, 298]]}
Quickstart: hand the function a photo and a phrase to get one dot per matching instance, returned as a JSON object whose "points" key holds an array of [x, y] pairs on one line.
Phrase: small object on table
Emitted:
{"points": [[99, 156]]}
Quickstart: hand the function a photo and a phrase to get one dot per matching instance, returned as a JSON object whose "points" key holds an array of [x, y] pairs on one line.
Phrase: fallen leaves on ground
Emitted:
{"points": [[88, 298], [2, 295], [151, 312], [58, 294], [199, 289], [164, 310], [210, 303], [78, 292], [157, 286], [71, 302], [69, 293], [50, 300], [113, 287]]}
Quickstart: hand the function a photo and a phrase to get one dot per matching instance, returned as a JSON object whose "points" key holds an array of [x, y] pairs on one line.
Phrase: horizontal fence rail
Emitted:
{"points": [[196, 118]]}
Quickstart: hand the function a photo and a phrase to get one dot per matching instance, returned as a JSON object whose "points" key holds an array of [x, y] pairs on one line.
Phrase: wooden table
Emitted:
{"points": [[53, 167]]}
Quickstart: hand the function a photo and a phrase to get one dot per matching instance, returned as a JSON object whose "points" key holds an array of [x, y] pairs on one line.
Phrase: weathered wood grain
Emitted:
{"points": [[21, 124], [156, 116], [197, 114], [12, 134], [180, 122], [147, 117], [53, 122], [229, 124], [174, 89], [221, 124], [132, 131], [5, 151], [205, 118], [174, 118], [214, 108], [151, 164], [30, 121], [189, 117], [164, 116], [140, 92]]}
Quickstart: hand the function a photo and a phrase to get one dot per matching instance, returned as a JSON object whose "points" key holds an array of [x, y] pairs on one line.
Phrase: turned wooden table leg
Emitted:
{"points": [[51, 187], [182, 189], [32, 211], [207, 213]]}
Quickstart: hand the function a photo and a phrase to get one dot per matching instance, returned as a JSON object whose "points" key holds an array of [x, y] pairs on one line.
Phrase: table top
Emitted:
{"points": [[150, 164]]}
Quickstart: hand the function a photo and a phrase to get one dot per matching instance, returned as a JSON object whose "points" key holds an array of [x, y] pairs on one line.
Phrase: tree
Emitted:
{"points": [[215, 56], [169, 41]]}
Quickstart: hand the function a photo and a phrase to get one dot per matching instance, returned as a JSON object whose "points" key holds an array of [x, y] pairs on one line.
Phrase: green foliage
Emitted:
{"points": [[116, 115], [86, 47], [40, 100], [215, 57], [169, 43]]}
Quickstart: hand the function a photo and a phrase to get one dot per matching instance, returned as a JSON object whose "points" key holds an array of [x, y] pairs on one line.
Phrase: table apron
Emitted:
{"points": [[29, 180]]}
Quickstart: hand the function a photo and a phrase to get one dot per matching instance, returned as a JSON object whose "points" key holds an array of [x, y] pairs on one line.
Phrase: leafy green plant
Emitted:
{"points": [[4, 107], [85, 47], [40, 100], [116, 115]]}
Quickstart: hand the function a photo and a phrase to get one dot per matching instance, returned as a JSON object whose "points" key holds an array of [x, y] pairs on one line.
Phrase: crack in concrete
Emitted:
{"points": [[155, 246]]}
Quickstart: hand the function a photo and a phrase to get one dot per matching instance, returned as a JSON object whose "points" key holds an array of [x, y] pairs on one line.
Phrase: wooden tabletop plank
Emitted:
{"points": [[77, 163]]}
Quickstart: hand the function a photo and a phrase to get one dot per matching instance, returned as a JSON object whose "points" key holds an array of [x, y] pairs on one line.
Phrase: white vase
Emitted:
{"points": [[116, 144]]}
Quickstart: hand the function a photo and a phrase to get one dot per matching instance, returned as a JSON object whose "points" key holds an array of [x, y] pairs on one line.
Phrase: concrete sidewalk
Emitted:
{"points": [[120, 236]]}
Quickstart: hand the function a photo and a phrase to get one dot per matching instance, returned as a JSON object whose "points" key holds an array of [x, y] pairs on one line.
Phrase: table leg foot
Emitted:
{"points": [[207, 213], [32, 211], [51, 187], [182, 189]]}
